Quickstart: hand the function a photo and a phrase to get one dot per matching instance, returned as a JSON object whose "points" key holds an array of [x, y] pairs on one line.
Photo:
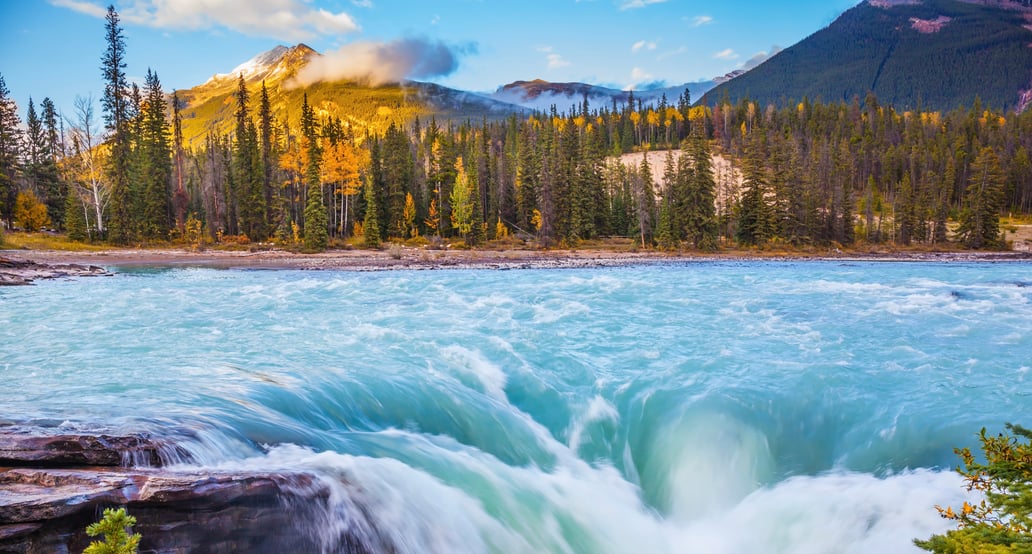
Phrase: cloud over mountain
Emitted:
{"points": [[377, 63]]}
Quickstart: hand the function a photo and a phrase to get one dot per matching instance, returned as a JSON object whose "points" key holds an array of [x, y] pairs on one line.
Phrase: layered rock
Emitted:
{"points": [[65, 450], [52, 487]]}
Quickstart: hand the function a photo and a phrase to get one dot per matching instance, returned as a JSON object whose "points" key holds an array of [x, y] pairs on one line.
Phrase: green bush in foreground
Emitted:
{"points": [[1002, 522], [116, 539]]}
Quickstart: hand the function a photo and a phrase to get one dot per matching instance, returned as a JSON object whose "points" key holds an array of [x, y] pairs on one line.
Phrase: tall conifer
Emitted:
{"points": [[115, 103], [155, 159], [10, 150]]}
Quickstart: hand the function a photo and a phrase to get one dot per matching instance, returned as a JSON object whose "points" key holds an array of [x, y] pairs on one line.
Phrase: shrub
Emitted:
{"points": [[30, 213], [117, 539]]}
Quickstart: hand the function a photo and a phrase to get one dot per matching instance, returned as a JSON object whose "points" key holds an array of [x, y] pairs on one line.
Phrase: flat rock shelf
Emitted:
{"points": [[53, 486]]}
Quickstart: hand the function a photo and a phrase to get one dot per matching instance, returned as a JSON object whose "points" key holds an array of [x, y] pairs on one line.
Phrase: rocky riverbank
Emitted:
{"points": [[53, 486], [25, 271], [53, 263]]}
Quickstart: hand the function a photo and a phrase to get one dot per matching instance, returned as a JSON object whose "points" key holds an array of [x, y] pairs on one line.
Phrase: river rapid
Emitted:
{"points": [[719, 407]]}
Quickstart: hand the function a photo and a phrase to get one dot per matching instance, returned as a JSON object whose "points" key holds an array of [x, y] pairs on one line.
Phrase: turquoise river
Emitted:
{"points": [[718, 407]]}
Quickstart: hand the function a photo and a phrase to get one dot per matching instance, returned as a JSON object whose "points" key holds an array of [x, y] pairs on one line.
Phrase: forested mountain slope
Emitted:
{"points": [[927, 54], [211, 106]]}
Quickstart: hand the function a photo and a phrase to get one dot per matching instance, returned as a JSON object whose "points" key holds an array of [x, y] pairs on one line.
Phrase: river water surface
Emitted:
{"points": [[718, 407]]}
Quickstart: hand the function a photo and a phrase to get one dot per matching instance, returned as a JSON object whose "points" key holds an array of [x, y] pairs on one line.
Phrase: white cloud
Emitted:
{"points": [[635, 4], [555, 61], [377, 63], [87, 8], [290, 20], [363, 3], [700, 20], [760, 57], [727, 54], [641, 44], [638, 74], [435, 19]]}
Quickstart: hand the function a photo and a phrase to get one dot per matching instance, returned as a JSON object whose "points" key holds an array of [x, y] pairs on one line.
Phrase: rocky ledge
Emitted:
{"points": [[46, 501], [23, 272]]}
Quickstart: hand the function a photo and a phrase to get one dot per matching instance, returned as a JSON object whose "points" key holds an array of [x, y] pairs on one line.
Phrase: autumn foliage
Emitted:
{"points": [[30, 213]]}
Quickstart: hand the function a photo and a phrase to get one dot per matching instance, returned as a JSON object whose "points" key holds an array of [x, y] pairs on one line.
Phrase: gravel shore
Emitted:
{"points": [[24, 266]]}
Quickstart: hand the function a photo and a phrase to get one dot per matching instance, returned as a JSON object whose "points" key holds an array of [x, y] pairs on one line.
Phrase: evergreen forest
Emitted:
{"points": [[718, 175]]}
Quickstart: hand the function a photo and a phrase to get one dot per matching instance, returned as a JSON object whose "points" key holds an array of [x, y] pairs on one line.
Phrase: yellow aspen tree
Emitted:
{"points": [[409, 215]]}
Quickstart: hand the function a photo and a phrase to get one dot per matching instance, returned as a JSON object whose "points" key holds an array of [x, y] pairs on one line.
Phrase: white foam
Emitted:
{"points": [[552, 311], [599, 409], [472, 363], [836, 513], [579, 508]]}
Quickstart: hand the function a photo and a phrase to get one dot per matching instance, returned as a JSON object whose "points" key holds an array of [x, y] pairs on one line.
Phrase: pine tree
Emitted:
{"points": [[645, 202], [75, 217], [50, 176], [39, 164], [371, 224], [906, 210], [116, 118], [527, 176], [754, 212], [316, 220], [666, 237], [266, 124], [10, 150], [671, 223], [137, 161], [980, 220], [155, 157], [248, 171], [701, 213], [397, 176], [33, 149], [376, 186], [586, 221]]}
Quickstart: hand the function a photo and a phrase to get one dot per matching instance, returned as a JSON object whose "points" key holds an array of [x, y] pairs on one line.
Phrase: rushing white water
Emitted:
{"points": [[704, 407]]}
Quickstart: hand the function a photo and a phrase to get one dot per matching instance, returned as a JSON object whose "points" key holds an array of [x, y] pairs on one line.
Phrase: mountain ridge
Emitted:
{"points": [[210, 107]]}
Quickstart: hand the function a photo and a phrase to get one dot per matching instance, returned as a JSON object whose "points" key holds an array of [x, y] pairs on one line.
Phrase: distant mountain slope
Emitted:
{"points": [[542, 95], [211, 106], [938, 54]]}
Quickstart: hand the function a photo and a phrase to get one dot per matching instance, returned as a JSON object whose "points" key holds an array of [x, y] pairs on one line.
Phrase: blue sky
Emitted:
{"points": [[53, 47]]}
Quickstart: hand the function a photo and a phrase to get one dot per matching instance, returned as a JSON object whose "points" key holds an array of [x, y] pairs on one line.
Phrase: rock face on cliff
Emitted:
{"points": [[52, 487]]}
